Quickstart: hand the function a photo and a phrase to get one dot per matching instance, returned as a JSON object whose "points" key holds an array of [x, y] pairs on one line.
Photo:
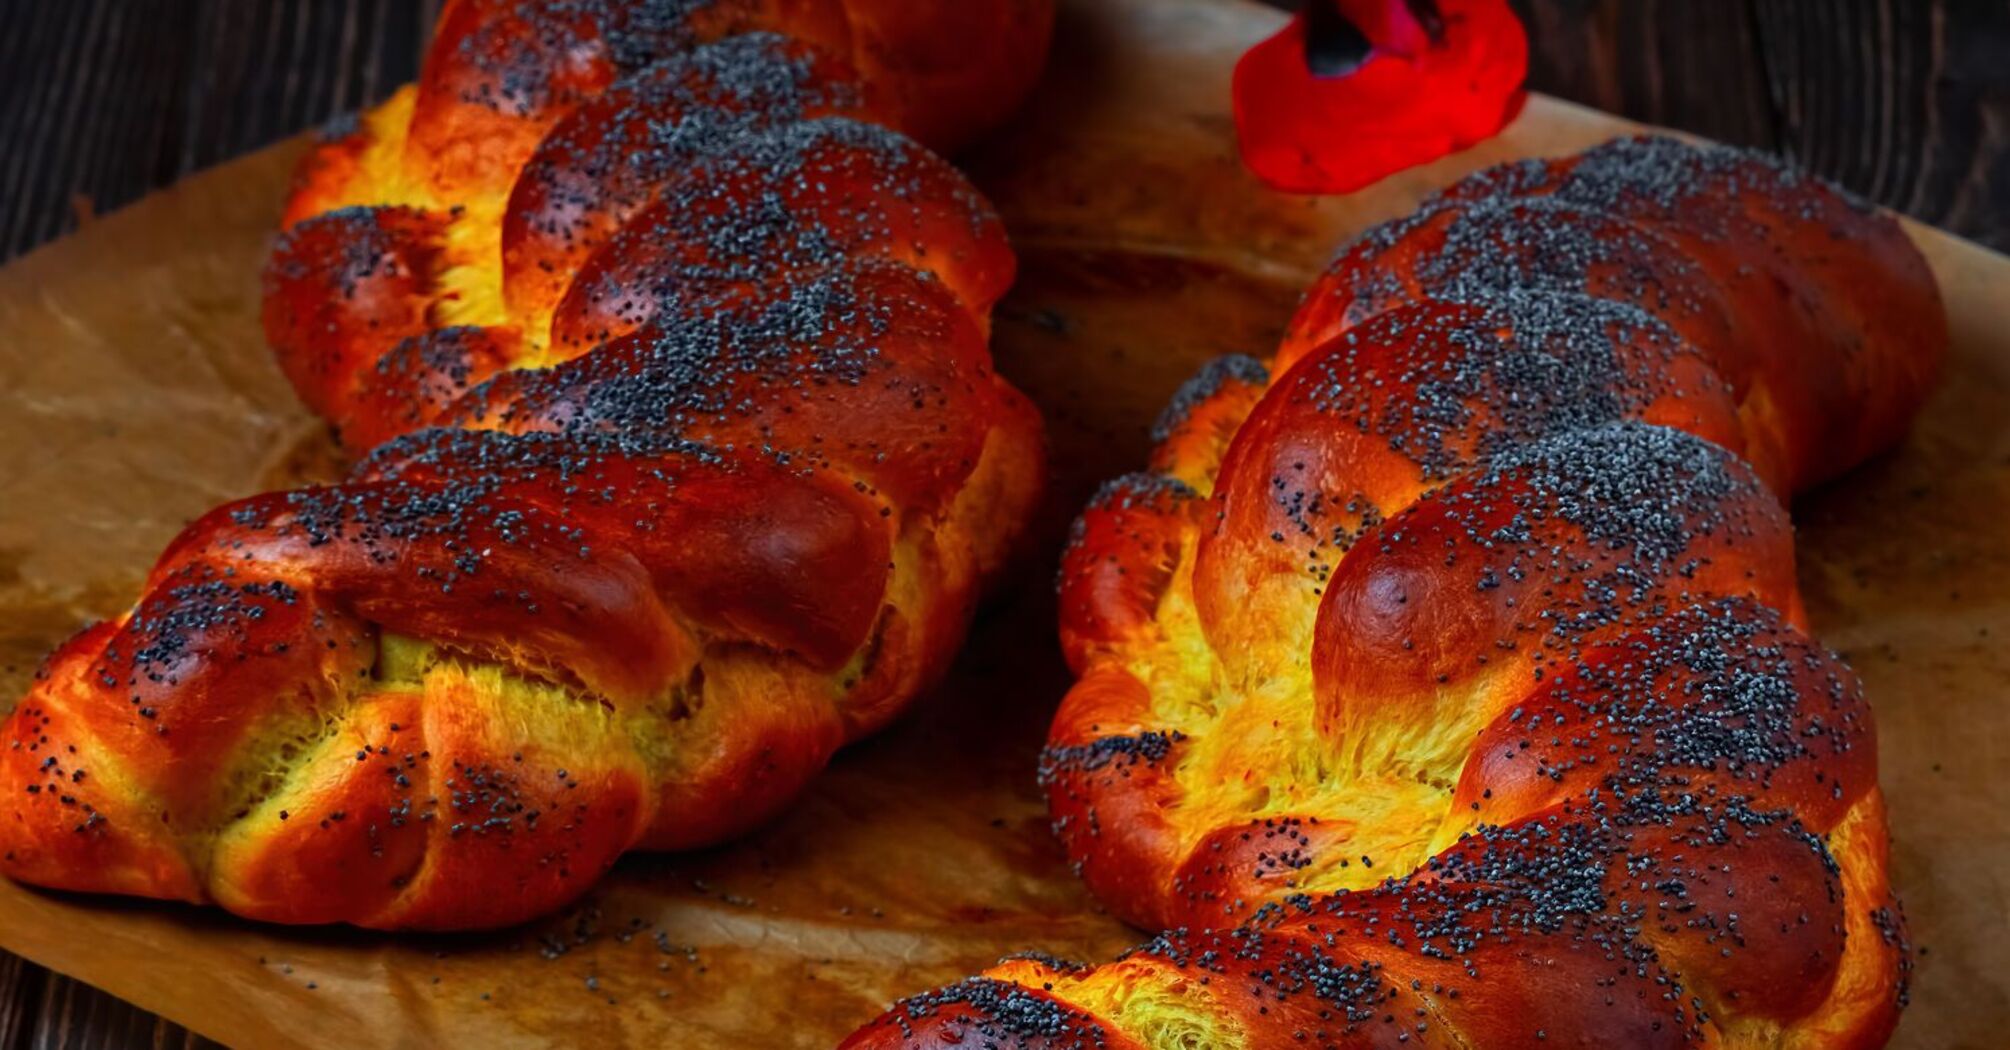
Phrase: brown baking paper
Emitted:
{"points": [[135, 392]]}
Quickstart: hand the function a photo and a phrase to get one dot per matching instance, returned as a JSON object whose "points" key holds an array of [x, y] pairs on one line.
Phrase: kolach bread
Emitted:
{"points": [[682, 462], [1444, 682]]}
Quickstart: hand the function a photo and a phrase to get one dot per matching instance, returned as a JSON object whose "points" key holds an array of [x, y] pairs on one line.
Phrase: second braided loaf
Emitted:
{"points": [[1445, 682]]}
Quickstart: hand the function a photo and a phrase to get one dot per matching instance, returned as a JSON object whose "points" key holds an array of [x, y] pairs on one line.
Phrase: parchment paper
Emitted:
{"points": [[135, 392]]}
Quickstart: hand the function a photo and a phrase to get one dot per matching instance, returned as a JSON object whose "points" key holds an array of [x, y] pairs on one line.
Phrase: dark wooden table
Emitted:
{"points": [[1907, 101]]}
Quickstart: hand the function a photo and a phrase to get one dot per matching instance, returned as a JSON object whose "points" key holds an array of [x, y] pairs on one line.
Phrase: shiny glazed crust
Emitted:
{"points": [[682, 462], [1444, 681]]}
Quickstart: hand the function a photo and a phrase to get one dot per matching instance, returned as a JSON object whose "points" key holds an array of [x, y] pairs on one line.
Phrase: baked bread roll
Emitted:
{"points": [[1444, 682], [682, 462]]}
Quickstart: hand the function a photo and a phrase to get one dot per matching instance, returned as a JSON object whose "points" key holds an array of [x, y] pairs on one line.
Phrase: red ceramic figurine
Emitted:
{"points": [[1355, 90]]}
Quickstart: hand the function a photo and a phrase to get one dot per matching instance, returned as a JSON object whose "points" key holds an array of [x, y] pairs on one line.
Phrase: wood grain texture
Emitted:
{"points": [[1693, 64], [103, 100], [40, 1010], [1907, 101]]}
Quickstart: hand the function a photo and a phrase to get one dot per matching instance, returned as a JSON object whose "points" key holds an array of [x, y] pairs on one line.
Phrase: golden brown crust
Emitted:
{"points": [[684, 461], [1444, 683]]}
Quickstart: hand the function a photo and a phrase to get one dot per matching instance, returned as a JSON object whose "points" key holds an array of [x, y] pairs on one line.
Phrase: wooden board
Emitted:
{"points": [[134, 393]]}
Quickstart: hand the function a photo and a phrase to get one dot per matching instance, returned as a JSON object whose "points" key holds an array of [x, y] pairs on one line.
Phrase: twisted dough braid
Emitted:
{"points": [[1444, 682], [682, 463]]}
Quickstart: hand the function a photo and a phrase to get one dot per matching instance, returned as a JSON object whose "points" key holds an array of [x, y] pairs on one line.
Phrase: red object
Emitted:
{"points": [[1437, 77]]}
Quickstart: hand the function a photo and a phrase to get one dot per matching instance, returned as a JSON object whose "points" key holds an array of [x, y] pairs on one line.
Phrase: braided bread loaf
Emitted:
{"points": [[683, 461], [1444, 683]]}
